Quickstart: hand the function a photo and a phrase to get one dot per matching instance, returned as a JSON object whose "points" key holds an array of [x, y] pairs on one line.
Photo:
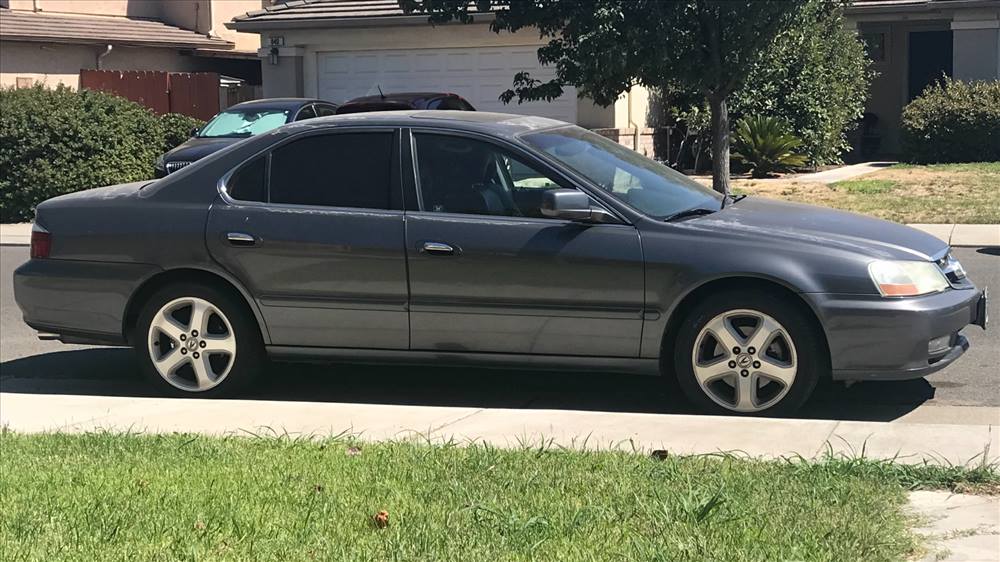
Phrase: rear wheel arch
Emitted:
{"points": [[185, 275], [743, 283]]}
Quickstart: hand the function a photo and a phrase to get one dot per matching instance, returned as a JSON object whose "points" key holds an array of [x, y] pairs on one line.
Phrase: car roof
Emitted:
{"points": [[277, 103], [500, 124]]}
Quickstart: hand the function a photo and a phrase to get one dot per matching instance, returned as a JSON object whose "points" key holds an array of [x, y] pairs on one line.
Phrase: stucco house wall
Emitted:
{"points": [[53, 64]]}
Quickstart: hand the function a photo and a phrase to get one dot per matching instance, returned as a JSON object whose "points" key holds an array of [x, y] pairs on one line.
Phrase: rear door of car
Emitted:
{"points": [[315, 230], [489, 273]]}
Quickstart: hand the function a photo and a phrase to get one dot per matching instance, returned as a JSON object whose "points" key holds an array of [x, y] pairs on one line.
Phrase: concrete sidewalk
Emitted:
{"points": [[955, 234], [679, 434], [843, 173]]}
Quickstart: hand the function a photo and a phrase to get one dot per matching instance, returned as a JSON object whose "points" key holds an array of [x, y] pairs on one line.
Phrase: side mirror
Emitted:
{"points": [[194, 131], [570, 204]]}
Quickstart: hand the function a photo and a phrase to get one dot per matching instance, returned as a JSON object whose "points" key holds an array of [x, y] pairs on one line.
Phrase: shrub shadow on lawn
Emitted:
{"points": [[113, 372]]}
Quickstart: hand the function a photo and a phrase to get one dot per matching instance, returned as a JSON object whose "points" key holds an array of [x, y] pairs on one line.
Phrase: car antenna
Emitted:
{"points": [[379, 86]]}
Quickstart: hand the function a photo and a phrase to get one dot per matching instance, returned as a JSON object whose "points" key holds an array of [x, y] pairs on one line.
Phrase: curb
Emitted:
{"points": [[905, 443]]}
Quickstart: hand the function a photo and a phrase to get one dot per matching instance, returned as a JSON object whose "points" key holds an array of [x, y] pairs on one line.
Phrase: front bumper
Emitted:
{"points": [[875, 338]]}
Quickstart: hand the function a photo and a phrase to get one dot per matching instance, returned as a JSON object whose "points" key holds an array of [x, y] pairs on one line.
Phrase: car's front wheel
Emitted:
{"points": [[748, 353], [194, 339]]}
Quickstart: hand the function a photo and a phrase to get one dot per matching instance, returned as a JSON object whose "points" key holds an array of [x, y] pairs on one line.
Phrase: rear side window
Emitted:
{"points": [[325, 110], [340, 170], [249, 182], [307, 113]]}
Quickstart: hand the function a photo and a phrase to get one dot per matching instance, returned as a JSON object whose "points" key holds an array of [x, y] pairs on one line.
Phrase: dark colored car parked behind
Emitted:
{"points": [[405, 100], [239, 122], [489, 239]]}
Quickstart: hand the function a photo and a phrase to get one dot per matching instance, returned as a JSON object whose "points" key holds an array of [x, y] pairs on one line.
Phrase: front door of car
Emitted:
{"points": [[314, 230], [489, 273]]}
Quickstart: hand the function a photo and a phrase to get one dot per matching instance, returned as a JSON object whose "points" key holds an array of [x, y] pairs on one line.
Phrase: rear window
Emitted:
{"points": [[340, 170]]}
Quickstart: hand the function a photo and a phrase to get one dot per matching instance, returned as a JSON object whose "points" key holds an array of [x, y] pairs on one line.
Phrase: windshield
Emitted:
{"points": [[652, 188], [244, 122]]}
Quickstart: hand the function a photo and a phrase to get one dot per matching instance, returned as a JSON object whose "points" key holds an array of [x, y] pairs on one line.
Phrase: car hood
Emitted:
{"points": [[198, 147], [787, 222]]}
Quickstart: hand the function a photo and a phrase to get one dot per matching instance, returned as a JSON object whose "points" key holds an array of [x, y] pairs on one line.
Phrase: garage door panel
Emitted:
{"points": [[479, 74]]}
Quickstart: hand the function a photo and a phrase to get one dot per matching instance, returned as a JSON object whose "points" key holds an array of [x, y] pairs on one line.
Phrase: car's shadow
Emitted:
{"points": [[113, 372]]}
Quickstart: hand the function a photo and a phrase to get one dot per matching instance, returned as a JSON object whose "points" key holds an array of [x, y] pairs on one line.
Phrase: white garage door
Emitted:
{"points": [[478, 74]]}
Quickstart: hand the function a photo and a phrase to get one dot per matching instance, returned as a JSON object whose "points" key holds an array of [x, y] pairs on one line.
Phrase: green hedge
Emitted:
{"points": [[59, 141], [953, 121]]}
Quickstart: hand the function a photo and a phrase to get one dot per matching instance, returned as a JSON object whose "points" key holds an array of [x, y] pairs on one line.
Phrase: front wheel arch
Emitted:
{"points": [[706, 290], [186, 275]]}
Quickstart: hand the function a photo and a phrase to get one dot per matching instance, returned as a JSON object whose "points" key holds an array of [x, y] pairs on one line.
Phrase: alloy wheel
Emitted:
{"points": [[744, 360], [192, 344]]}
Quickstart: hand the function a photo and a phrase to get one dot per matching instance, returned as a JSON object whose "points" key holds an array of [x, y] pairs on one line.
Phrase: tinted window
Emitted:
{"points": [[306, 113], [450, 103], [342, 170], [461, 175], [248, 183]]}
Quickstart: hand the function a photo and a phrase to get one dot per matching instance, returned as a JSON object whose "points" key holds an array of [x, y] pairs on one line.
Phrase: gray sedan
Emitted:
{"points": [[487, 239]]}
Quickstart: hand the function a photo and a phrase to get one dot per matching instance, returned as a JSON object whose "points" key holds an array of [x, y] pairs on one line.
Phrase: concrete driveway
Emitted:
{"points": [[965, 393]]}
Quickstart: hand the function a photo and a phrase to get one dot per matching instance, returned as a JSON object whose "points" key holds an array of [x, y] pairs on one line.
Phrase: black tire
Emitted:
{"points": [[811, 353], [250, 359]]}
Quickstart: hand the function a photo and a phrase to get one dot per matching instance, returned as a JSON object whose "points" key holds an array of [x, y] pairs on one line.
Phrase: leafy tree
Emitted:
{"points": [[604, 47], [815, 78]]}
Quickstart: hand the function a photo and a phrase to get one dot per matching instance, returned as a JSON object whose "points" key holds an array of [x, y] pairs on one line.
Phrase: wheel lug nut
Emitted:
{"points": [[744, 373], [183, 337], [195, 354], [202, 344], [756, 364], [751, 350], [736, 350], [184, 351], [732, 364], [194, 333]]}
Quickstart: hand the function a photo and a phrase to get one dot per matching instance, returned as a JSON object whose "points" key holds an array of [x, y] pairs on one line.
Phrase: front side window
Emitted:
{"points": [[244, 123], [650, 187], [462, 175], [338, 170]]}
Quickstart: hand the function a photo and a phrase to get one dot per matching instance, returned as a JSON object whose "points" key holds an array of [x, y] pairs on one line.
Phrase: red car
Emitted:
{"points": [[405, 100]]}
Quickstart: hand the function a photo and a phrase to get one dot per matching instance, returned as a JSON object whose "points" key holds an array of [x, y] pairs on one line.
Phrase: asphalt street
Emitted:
{"points": [[965, 392]]}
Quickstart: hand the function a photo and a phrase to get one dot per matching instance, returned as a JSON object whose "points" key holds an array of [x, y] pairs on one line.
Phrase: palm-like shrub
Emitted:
{"points": [[766, 146]]}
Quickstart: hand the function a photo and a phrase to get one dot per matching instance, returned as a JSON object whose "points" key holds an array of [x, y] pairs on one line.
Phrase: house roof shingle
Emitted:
{"points": [[297, 12], [303, 13], [17, 25]]}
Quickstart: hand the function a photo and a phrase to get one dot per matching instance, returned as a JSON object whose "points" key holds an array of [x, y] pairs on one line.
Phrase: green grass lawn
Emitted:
{"points": [[119, 497], [938, 193]]}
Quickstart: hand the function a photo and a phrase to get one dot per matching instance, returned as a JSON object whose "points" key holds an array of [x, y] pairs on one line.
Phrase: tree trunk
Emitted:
{"points": [[720, 144]]}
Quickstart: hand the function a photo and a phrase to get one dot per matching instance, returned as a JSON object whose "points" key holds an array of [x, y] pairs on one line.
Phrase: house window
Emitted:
{"points": [[874, 45]]}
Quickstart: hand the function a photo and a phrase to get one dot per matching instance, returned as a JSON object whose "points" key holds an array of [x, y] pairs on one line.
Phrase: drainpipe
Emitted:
{"points": [[100, 57]]}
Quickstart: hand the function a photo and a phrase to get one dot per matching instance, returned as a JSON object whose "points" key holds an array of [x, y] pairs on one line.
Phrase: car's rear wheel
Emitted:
{"points": [[194, 339], [748, 354]]}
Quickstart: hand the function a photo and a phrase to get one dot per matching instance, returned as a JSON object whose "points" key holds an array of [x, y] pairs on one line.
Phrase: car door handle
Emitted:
{"points": [[439, 249], [241, 239]]}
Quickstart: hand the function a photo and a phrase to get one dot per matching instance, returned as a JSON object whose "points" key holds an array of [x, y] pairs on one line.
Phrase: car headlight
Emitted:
{"points": [[907, 278]]}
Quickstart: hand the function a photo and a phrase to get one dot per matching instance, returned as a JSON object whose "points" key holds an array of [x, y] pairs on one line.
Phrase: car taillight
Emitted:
{"points": [[41, 242]]}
